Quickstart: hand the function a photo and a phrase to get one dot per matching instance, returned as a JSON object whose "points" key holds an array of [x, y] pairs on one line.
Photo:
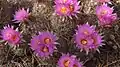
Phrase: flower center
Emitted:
{"points": [[45, 49], [66, 63], [47, 40], [86, 32], [83, 41], [64, 1], [75, 65], [64, 10], [104, 12], [14, 37], [71, 8]]}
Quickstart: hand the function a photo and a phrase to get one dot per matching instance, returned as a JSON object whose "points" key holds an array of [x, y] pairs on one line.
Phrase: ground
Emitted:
{"points": [[42, 19]]}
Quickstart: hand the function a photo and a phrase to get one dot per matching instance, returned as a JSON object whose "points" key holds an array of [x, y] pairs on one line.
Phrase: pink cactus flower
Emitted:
{"points": [[21, 15], [7, 33], [74, 7], [105, 15], [66, 61], [69, 61], [83, 42], [62, 9], [87, 38], [10, 35], [44, 51], [86, 29], [48, 38], [103, 1], [62, 1], [68, 8], [96, 41], [35, 41], [44, 44]]}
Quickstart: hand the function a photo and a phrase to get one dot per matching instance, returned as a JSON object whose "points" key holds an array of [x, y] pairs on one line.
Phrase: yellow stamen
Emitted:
{"points": [[84, 42], [66, 63], [47, 40], [75, 65], [45, 49], [64, 1], [104, 12], [64, 10], [86, 32]]}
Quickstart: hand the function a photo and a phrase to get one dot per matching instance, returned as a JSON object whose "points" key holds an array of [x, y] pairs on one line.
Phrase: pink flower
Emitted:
{"points": [[103, 1], [67, 7], [21, 15], [74, 7], [7, 33], [44, 44], [35, 41], [62, 9], [87, 38], [66, 61], [10, 35], [47, 38], [85, 29], [44, 51], [105, 15], [62, 1], [83, 42], [96, 41]]}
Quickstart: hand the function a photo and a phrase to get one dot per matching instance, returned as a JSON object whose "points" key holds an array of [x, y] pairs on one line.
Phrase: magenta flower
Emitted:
{"points": [[85, 29], [44, 51], [47, 38], [105, 15], [87, 38], [7, 32], [83, 42], [62, 1], [62, 9], [21, 15], [35, 41], [96, 41], [66, 61], [103, 10], [74, 7], [44, 44], [10, 35], [103, 1], [69, 61], [15, 39], [107, 20], [67, 7]]}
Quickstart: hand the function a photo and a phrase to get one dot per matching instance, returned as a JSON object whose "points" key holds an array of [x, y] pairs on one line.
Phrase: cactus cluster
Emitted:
{"points": [[86, 38]]}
